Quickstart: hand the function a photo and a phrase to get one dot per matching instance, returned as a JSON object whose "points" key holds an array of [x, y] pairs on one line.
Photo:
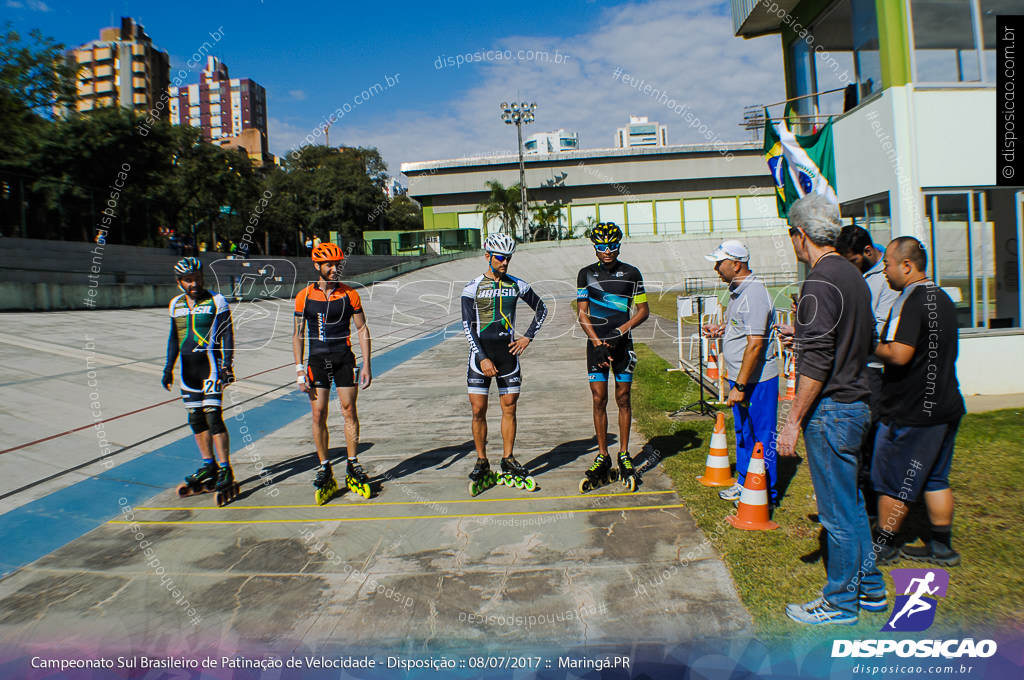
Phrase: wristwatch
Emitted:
{"points": [[740, 387]]}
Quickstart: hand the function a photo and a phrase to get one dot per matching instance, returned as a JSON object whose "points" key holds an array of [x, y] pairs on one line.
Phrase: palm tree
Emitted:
{"points": [[502, 203], [546, 219]]}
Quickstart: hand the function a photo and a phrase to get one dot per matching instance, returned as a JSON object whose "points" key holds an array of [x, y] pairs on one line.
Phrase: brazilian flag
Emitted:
{"points": [[799, 164]]}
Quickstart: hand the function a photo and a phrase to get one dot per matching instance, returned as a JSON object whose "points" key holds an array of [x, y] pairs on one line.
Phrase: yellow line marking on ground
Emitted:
{"points": [[410, 517], [460, 500]]}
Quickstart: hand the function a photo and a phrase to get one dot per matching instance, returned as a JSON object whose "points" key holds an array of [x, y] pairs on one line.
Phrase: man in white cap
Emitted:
{"points": [[750, 362]]}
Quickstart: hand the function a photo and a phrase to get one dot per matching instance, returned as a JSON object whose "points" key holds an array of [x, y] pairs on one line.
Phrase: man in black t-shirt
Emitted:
{"points": [[921, 407]]}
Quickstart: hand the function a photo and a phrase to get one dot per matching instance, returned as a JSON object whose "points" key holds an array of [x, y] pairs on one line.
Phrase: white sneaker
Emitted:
{"points": [[732, 493]]}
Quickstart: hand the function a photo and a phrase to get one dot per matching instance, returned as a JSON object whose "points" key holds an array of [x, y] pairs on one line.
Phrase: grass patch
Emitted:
{"points": [[774, 568]]}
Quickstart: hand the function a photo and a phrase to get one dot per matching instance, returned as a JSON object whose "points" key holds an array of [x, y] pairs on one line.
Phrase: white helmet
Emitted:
{"points": [[501, 244]]}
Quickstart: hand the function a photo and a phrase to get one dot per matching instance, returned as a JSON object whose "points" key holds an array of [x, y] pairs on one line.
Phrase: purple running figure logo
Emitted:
{"points": [[914, 610]]}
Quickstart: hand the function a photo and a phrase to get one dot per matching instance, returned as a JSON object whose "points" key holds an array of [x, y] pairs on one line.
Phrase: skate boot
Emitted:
{"points": [[227, 487], [599, 474], [202, 480], [356, 479], [481, 478], [324, 484], [514, 474], [627, 473]]}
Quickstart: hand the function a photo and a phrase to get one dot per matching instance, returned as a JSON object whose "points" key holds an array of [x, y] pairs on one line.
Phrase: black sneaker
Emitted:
{"points": [[932, 552], [886, 555]]}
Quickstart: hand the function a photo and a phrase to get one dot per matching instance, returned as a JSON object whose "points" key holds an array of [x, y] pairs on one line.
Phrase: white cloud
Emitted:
{"points": [[687, 50], [297, 94], [285, 135]]}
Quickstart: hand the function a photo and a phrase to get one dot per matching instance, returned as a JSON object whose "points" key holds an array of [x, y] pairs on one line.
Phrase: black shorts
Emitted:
{"points": [[200, 381], [910, 460], [339, 367], [623, 361], [509, 376]]}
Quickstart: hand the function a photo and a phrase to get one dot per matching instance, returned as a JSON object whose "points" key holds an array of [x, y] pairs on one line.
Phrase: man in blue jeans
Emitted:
{"points": [[750, 362], [832, 339]]}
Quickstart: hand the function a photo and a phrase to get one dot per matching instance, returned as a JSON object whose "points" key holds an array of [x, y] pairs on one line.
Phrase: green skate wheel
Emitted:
{"points": [[473, 488], [530, 484], [518, 482]]}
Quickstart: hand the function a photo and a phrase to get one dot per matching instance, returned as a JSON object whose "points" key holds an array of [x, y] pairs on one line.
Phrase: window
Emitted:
{"points": [[945, 50], [840, 48], [974, 259], [988, 10], [873, 215]]}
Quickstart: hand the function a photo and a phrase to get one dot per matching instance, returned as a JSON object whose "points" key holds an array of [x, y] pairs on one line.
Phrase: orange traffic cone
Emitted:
{"points": [[790, 381], [717, 471], [712, 366], [752, 511]]}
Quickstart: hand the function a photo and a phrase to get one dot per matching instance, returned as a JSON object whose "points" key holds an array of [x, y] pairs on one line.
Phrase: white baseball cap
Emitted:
{"points": [[730, 250]]}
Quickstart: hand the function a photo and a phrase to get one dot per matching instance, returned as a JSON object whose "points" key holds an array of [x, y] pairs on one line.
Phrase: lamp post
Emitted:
{"points": [[519, 114]]}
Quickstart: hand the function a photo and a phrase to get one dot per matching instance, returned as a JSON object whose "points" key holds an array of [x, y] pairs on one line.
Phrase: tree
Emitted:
{"points": [[37, 76], [403, 214], [34, 78], [546, 218], [503, 203], [333, 188]]}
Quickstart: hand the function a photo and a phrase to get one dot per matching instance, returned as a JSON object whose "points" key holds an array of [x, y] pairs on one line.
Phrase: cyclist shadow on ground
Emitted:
{"points": [[421, 461], [306, 462], [665, 446], [564, 454]]}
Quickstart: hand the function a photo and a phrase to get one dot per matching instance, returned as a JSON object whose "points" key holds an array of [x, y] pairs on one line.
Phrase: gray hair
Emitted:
{"points": [[818, 217]]}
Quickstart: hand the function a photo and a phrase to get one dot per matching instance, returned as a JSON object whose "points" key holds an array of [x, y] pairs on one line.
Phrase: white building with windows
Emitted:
{"points": [[551, 142], [910, 85], [652, 193], [641, 132]]}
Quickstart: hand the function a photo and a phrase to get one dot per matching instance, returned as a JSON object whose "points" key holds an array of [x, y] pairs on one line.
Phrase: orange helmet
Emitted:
{"points": [[327, 252]]}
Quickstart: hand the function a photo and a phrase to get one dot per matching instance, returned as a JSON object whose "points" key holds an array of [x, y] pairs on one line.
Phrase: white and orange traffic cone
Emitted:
{"points": [[712, 366], [790, 380], [752, 512], [717, 471]]}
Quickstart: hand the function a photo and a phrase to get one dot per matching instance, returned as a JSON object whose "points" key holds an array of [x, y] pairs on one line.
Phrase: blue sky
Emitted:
{"points": [[316, 57]]}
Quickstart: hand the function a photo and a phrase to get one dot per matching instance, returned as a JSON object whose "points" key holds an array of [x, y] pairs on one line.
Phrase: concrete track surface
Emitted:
{"points": [[98, 548]]}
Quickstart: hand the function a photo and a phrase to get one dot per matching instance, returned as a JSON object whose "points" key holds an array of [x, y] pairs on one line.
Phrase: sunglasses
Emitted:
{"points": [[501, 258], [793, 231], [606, 247]]}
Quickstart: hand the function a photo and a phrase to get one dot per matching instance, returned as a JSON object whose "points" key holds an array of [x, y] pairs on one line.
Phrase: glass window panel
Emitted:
{"points": [[582, 215], [696, 216], [724, 214], [878, 221], [612, 212], [989, 10], [948, 216], [864, 21], [670, 217], [944, 46], [641, 218], [983, 244]]}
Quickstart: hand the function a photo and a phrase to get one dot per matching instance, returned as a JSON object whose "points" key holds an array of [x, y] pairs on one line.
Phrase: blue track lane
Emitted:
{"points": [[44, 525]]}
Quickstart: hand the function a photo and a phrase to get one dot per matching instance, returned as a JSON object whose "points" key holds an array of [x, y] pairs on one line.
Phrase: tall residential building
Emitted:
{"points": [[639, 132], [552, 142], [223, 108], [122, 68]]}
